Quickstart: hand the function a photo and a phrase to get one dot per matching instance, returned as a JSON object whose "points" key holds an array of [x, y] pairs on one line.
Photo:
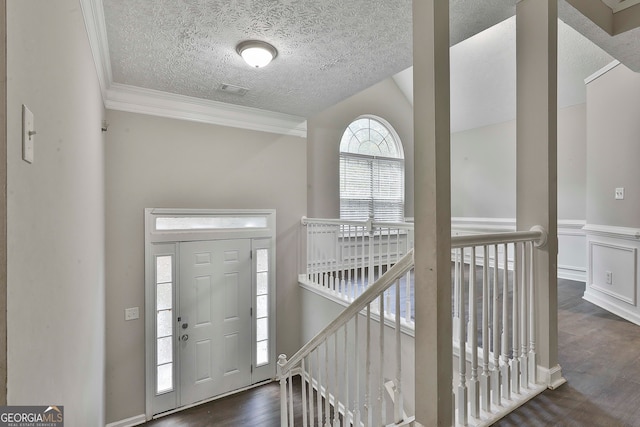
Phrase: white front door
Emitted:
{"points": [[214, 327]]}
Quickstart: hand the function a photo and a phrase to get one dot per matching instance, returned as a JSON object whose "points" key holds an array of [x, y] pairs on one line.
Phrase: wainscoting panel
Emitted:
{"points": [[613, 269]]}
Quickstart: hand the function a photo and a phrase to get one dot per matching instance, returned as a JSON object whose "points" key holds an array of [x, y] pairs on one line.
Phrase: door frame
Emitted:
{"points": [[257, 225]]}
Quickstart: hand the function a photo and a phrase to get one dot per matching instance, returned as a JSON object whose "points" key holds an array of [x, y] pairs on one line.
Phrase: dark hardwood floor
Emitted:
{"points": [[598, 351]]}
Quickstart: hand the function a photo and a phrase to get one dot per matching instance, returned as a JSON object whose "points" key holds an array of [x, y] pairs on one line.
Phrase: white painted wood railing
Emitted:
{"points": [[344, 368], [494, 318], [345, 257], [493, 309]]}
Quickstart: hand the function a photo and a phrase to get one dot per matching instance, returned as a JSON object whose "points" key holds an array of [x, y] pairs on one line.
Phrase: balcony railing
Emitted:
{"points": [[354, 378]]}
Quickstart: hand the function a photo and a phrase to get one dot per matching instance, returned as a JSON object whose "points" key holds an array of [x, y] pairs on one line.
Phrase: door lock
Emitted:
{"points": [[185, 325], [185, 337]]}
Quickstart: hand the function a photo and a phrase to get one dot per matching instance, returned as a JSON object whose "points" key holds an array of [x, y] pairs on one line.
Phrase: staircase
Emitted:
{"points": [[359, 369]]}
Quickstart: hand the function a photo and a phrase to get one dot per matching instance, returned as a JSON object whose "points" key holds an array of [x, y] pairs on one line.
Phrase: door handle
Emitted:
{"points": [[185, 337]]}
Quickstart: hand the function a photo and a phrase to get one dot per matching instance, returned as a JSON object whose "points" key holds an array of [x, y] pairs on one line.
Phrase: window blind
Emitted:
{"points": [[371, 186]]}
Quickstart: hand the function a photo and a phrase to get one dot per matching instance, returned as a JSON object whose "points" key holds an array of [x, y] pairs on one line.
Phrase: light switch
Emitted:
{"points": [[620, 193], [28, 134], [131, 313]]}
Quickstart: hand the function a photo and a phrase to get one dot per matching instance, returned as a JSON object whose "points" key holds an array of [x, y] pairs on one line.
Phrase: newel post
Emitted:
{"points": [[536, 167], [282, 360]]}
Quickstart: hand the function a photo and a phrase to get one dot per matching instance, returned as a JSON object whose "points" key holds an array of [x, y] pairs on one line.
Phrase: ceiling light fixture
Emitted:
{"points": [[256, 53]]}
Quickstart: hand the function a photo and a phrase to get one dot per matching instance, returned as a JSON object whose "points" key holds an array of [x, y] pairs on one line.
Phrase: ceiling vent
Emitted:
{"points": [[232, 89]]}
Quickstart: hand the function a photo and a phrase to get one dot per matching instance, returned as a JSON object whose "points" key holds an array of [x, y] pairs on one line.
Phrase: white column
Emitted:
{"points": [[433, 367], [536, 58]]}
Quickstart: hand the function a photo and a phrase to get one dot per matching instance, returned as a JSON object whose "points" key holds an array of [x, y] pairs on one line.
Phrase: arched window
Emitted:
{"points": [[371, 171]]}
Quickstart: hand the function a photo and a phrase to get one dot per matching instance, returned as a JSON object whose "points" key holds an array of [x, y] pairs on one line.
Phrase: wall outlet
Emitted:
{"points": [[619, 193], [609, 276], [131, 313]]}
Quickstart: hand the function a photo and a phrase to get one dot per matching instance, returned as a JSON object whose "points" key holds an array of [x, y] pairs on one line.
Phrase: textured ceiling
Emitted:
{"points": [[328, 49]]}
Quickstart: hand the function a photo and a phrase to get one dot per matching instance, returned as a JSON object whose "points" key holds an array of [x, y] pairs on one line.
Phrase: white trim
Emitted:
{"points": [[626, 4], [551, 377], [129, 422], [156, 103], [93, 13], [610, 66], [597, 287], [616, 309], [571, 272], [133, 99], [488, 225], [612, 231]]}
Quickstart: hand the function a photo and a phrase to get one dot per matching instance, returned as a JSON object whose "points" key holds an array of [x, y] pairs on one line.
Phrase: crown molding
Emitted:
{"points": [[93, 14], [133, 99], [156, 103]]}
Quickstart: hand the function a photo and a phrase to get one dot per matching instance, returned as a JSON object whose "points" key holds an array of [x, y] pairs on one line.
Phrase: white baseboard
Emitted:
{"points": [[579, 274], [129, 422], [551, 377], [616, 309]]}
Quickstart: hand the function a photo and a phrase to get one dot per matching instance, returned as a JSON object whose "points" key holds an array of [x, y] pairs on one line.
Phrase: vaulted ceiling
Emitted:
{"points": [[327, 50]]}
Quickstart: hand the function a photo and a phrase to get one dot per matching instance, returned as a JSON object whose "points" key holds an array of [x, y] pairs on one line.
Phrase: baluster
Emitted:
{"points": [[309, 269], [462, 359], [515, 317], [348, 265], [485, 378], [327, 409], [325, 281], [388, 303], [367, 384], [303, 381], [356, 393], [345, 364], [284, 422], [524, 364], [363, 277], [506, 371], [533, 362], [397, 390], [495, 374], [292, 420], [336, 384], [381, 405], [340, 261], [319, 389], [456, 291], [312, 420], [408, 296], [372, 255], [474, 385], [311, 250]]}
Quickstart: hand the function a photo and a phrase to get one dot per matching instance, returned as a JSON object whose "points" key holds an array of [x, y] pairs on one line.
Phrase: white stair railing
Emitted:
{"points": [[345, 257], [344, 369], [494, 324], [493, 309]]}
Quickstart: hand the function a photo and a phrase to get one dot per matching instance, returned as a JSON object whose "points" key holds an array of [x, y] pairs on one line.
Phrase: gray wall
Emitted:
{"points": [[325, 129], [157, 162], [483, 168], [55, 318], [613, 148]]}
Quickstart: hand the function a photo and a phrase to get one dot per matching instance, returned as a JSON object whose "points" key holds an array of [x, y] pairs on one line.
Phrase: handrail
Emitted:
{"points": [[376, 224], [372, 292], [537, 234]]}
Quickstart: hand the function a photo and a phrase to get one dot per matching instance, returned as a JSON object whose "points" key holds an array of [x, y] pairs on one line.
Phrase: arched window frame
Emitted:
{"points": [[371, 171]]}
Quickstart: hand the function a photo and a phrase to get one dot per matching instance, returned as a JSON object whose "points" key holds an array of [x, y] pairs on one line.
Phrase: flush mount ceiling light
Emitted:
{"points": [[256, 53]]}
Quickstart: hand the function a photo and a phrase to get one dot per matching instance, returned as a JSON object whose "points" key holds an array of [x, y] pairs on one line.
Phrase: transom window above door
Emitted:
{"points": [[371, 171]]}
